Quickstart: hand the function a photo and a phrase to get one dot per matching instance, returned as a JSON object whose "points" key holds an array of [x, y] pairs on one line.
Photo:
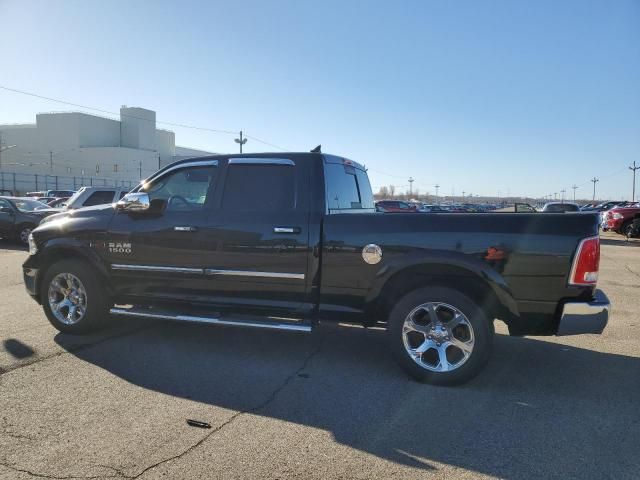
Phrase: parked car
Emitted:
{"points": [[424, 208], [560, 207], [90, 196], [6, 193], [283, 241], [620, 219], [44, 200], [395, 206], [60, 193], [19, 216], [58, 202]]}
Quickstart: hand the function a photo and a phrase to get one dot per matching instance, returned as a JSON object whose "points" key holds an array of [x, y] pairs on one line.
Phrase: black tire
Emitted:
{"points": [[96, 302], [482, 335], [22, 233], [627, 229]]}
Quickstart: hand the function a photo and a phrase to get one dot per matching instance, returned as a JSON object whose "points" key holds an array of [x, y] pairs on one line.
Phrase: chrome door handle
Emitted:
{"points": [[286, 229], [185, 229]]}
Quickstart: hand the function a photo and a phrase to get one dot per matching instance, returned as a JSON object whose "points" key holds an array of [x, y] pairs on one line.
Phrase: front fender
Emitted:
{"points": [[443, 262], [64, 248]]}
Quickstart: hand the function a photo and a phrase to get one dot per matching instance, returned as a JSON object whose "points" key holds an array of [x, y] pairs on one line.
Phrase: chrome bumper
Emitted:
{"points": [[585, 317]]}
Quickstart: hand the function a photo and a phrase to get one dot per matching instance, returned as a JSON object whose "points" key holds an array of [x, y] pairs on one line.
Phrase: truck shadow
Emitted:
{"points": [[540, 409]]}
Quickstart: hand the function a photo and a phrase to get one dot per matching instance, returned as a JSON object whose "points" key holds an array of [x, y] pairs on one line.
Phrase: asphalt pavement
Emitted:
{"points": [[331, 404]]}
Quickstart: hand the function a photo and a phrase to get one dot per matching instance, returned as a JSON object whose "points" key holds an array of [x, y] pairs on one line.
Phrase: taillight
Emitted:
{"points": [[586, 263], [617, 216]]}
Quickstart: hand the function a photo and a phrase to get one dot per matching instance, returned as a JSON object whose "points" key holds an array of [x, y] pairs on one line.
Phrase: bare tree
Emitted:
{"points": [[392, 191]]}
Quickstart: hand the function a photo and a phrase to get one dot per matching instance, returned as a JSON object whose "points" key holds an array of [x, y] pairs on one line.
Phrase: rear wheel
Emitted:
{"points": [[440, 336], [23, 232], [72, 297]]}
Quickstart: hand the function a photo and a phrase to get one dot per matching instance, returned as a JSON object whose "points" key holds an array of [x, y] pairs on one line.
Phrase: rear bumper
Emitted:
{"points": [[585, 317]]}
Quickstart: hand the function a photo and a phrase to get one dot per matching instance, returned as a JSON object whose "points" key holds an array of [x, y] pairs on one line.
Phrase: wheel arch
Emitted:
{"points": [[56, 250], [479, 282]]}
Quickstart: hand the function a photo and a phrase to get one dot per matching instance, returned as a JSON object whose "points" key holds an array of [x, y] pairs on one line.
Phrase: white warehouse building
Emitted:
{"points": [[66, 150]]}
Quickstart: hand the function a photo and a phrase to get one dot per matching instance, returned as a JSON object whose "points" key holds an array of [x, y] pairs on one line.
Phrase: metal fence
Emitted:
{"points": [[21, 183]]}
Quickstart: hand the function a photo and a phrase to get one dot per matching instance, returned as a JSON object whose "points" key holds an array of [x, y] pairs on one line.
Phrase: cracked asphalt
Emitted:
{"points": [[331, 404]]}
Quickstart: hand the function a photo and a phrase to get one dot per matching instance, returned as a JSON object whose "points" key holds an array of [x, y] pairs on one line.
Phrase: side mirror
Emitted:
{"points": [[134, 202]]}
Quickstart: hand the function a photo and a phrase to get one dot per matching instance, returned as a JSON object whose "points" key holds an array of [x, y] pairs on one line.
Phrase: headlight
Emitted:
{"points": [[33, 248]]}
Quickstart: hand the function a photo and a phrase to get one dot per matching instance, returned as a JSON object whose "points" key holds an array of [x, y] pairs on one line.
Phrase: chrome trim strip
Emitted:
{"points": [[155, 268], [283, 230], [213, 320], [249, 273], [194, 163], [260, 161]]}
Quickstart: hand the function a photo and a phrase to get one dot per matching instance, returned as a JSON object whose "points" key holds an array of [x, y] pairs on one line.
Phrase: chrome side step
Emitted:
{"points": [[244, 322]]}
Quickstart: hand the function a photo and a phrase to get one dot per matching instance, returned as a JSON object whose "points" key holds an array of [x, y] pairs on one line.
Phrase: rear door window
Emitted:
{"points": [[259, 186]]}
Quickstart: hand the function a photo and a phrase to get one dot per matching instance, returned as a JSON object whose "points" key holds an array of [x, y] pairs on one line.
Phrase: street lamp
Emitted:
{"points": [[240, 140]]}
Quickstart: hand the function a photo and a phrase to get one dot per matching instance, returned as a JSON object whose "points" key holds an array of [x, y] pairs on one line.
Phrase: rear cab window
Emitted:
{"points": [[347, 186]]}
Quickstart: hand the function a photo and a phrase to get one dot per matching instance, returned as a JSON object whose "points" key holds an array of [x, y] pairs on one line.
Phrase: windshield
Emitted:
{"points": [[26, 205]]}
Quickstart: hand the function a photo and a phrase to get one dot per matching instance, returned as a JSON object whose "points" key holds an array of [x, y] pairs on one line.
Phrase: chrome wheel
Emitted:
{"points": [[24, 235], [438, 337], [67, 298]]}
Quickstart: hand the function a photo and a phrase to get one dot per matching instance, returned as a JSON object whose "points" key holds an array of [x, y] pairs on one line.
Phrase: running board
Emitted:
{"points": [[243, 322]]}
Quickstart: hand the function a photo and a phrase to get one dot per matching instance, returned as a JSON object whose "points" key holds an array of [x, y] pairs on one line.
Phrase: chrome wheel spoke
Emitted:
{"points": [[466, 347], [458, 319], [443, 362], [433, 314], [412, 326]]}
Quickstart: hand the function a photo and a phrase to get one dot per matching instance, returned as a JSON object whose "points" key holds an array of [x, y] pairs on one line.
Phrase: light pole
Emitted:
{"points": [[594, 180], [240, 140], [563, 191], [634, 168], [437, 187], [411, 180], [574, 192]]}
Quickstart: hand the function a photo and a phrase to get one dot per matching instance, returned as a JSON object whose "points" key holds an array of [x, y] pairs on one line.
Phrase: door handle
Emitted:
{"points": [[185, 229], [286, 229]]}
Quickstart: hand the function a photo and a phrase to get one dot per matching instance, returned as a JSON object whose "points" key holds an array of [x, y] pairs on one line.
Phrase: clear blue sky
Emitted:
{"points": [[483, 96]]}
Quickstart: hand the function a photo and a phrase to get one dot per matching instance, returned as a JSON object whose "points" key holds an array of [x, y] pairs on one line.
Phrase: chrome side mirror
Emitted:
{"points": [[134, 202]]}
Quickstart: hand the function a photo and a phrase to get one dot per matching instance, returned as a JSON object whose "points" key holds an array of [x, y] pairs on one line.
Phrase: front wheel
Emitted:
{"points": [[440, 336], [72, 297]]}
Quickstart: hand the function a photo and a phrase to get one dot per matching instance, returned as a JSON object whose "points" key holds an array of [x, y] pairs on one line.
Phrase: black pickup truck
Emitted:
{"points": [[283, 241]]}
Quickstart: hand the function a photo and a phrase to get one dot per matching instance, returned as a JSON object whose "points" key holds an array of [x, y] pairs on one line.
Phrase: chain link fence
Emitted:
{"points": [[21, 183]]}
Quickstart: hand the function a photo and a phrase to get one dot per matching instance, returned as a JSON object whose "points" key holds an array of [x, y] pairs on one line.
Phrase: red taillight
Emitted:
{"points": [[586, 262]]}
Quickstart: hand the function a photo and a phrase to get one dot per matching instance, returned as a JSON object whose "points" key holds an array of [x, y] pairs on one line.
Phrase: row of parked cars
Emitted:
{"points": [[620, 217], [19, 215], [399, 206]]}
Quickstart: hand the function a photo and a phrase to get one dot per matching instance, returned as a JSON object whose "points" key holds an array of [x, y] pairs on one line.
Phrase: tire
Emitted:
{"points": [[86, 295], [627, 229], [466, 341], [22, 233]]}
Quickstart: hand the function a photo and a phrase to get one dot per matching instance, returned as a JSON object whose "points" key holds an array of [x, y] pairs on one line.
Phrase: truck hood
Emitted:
{"points": [[70, 222]]}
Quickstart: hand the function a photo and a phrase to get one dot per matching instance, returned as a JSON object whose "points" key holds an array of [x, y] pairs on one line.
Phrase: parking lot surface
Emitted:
{"points": [[331, 404]]}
